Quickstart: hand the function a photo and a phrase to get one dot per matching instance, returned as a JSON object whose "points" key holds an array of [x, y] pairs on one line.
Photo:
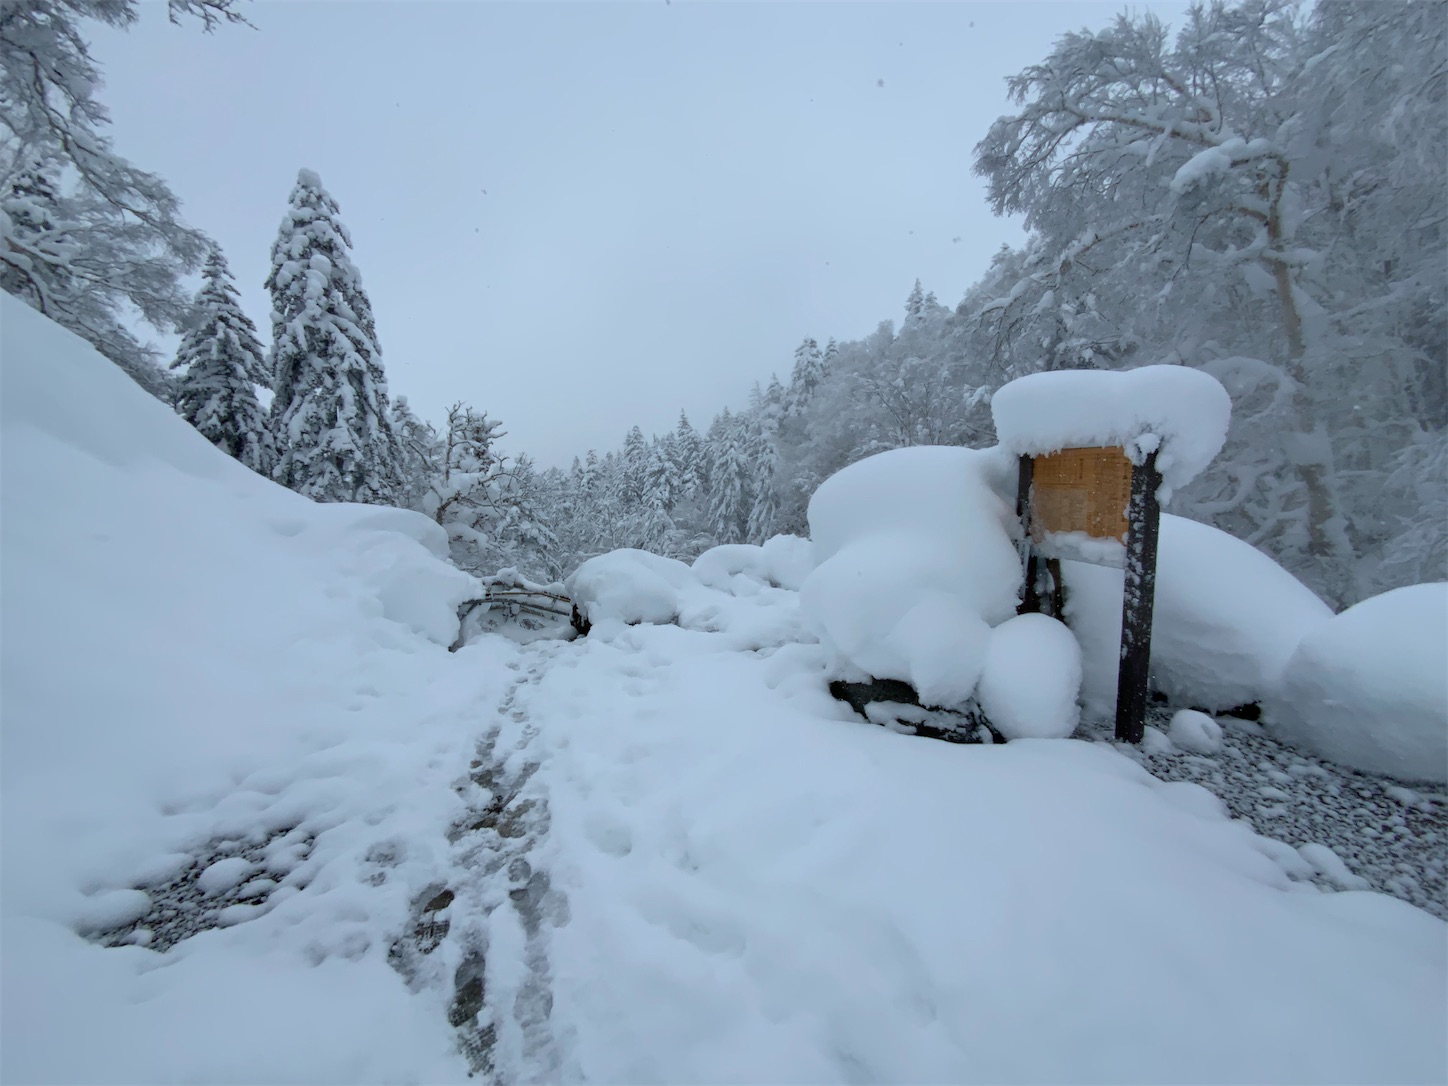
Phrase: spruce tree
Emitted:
{"points": [[331, 413], [689, 453], [729, 475], [223, 364]]}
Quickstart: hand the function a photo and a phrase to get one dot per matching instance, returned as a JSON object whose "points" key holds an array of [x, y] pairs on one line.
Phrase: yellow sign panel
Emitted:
{"points": [[1081, 490]]}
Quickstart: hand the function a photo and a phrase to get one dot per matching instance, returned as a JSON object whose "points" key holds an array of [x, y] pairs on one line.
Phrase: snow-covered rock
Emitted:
{"points": [[1185, 412], [1195, 731], [1369, 688], [629, 586], [1226, 620]]}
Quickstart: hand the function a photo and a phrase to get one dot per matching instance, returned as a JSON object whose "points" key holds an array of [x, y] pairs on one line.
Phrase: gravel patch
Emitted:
{"points": [[1392, 835]]}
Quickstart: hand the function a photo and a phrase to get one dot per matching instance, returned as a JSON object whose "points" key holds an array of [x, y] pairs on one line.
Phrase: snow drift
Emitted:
{"points": [[195, 656], [1226, 619], [1369, 688]]}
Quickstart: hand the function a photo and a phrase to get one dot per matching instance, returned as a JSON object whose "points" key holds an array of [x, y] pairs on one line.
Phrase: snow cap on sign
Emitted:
{"points": [[1186, 411]]}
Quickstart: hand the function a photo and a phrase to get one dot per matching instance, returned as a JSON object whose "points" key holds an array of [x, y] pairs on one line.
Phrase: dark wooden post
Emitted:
{"points": [[1031, 599], [1138, 597]]}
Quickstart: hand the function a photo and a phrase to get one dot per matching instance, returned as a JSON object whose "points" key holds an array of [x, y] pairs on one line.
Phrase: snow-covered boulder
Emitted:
{"points": [[1369, 688], [1226, 620], [1182, 414], [630, 586], [915, 564]]}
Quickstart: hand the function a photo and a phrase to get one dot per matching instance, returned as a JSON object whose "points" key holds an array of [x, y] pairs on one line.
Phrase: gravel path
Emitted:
{"points": [[1391, 835]]}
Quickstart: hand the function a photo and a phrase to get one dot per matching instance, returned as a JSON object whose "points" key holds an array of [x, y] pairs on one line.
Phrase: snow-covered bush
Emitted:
{"points": [[1369, 687]]}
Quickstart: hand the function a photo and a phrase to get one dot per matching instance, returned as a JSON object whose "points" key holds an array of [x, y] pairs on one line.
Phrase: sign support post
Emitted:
{"points": [[1138, 598]]}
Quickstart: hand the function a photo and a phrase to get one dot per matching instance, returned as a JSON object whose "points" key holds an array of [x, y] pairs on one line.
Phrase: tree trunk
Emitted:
{"points": [[1308, 446]]}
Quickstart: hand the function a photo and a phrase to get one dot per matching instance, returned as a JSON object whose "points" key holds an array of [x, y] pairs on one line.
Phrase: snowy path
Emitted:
{"points": [[743, 883]]}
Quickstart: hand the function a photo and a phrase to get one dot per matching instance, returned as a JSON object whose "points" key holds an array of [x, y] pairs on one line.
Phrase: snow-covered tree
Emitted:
{"points": [[110, 240], [222, 363], [478, 496], [809, 370], [729, 479], [688, 458], [332, 413], [417, 451], [1155, 170], [73, 260], [633, 470]]}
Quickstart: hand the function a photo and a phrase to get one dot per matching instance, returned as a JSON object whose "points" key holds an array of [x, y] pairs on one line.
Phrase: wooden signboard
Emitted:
{"points": [[1099, 492], [1081, 490]]}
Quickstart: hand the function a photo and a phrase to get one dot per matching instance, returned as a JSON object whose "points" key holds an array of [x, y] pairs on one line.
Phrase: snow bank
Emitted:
{"points": [[781, 562], [1369, 688], [629, 586], [1226, 620], [915, 564], [196, 662], [1185, 411]]}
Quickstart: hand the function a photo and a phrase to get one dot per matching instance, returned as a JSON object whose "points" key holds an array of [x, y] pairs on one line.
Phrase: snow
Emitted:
{"points": [[915, 564], [1182, 413], [225, 875], [196, 658], [1225, 622], [629, 586], [658, 853], [1367, 689], [1195, 731], [1031, 677], [783, 561]]}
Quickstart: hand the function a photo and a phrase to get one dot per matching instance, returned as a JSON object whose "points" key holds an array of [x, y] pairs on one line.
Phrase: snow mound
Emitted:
{"points": [[1369, 688], [1195, 731], [1185, 412], [1031, 677], [629, 586], [915, 563], [1226, 620], [781, 562]]}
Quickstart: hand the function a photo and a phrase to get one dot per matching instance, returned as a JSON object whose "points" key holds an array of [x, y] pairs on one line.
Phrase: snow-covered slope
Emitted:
{"points": [[197, 663], [662, 853]]}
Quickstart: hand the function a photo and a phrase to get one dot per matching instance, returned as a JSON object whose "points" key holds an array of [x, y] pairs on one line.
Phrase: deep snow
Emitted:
{"points": [[662, 853]]}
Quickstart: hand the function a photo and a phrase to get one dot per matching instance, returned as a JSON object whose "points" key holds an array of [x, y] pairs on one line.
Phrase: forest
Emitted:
{"points": [[1258, 192]]}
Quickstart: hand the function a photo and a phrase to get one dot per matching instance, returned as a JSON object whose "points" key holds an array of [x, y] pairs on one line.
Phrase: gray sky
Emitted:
{"points": [[581, 216]]}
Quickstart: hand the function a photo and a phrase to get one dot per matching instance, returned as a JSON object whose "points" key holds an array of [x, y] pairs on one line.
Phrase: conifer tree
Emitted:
{"points": [[729, 480], [223, 364], [419, 452], [331, 412], [634, 470]]}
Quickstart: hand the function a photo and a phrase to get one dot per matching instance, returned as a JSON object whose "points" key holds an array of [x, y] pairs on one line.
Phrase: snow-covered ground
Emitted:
{"points": [[260, 825]]}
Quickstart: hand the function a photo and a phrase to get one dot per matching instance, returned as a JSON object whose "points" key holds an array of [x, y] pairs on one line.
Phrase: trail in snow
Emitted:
{"points": [[479, 935]]}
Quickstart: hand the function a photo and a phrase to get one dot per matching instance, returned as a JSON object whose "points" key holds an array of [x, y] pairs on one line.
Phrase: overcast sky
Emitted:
{"points": [[581, 216]]}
